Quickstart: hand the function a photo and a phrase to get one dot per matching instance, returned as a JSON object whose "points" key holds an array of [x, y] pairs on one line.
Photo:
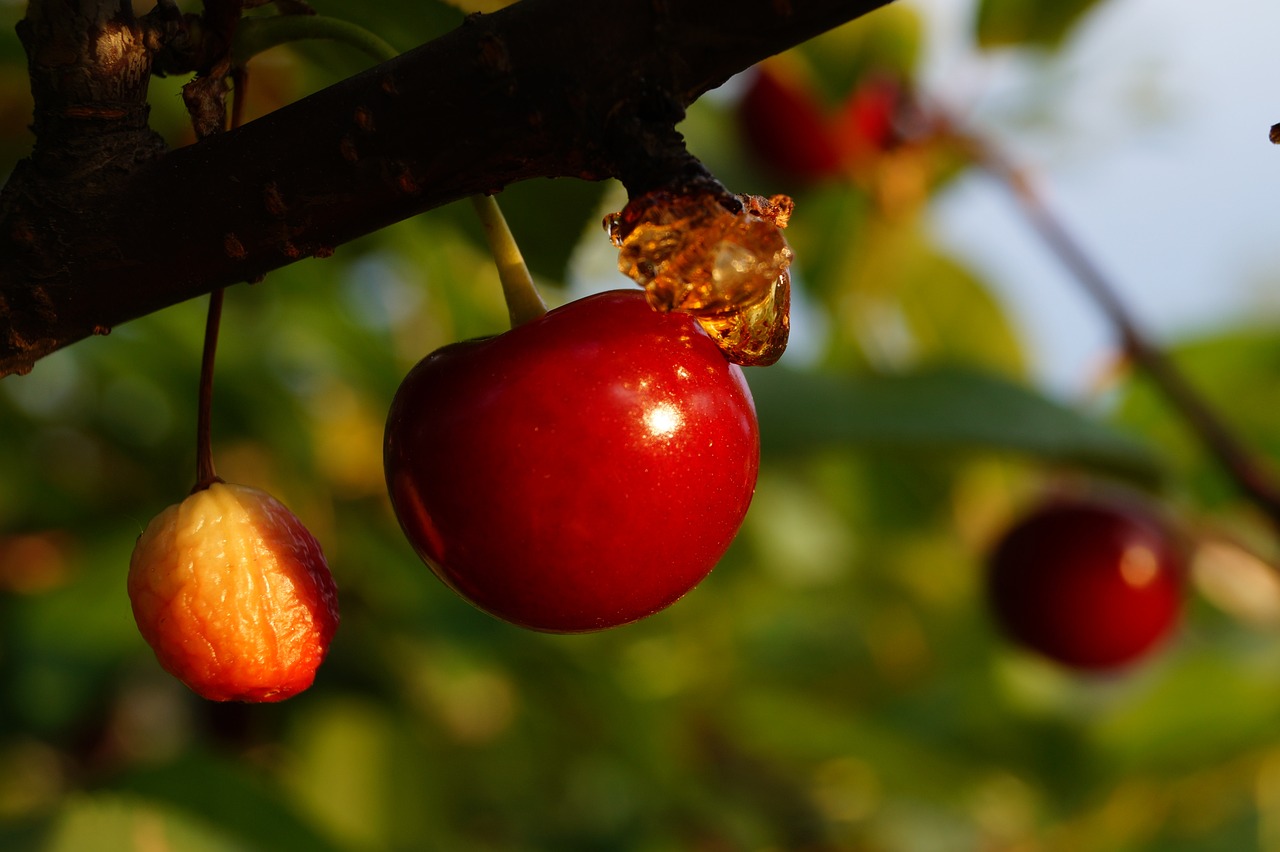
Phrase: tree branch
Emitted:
{"points": [[1241, 465], [544, 88]]}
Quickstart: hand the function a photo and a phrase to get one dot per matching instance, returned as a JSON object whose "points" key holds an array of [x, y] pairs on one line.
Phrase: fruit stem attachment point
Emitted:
{"points": [[205, 473], [523, 302]]}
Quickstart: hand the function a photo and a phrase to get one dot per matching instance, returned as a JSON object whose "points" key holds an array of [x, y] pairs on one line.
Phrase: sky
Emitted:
{"points": [[1148, 135]]}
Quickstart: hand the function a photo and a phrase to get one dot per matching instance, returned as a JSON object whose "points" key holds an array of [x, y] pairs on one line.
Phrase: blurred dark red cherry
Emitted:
{"points": [[581, 471], [1091, 584], [863, 128], [786, 128]]}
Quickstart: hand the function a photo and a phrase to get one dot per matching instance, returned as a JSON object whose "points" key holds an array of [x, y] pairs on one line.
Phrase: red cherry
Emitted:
{"points": [[1090, 584], [581, 471], [864, 126], [786, 128]]}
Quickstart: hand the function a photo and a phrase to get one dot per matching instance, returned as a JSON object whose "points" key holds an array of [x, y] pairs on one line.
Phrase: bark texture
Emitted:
{"points": [[94, 236]]}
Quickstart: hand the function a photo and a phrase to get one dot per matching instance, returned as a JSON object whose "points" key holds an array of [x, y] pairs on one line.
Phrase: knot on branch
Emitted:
{"points": [[89, 82]]}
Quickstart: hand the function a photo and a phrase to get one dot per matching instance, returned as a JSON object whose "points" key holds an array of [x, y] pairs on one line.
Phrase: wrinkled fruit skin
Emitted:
{"points": [[578, 472], [233, 594], [1092, 585]]}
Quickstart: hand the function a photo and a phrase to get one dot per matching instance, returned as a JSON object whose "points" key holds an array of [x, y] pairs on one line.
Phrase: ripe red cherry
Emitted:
{"points": [[581, 471], [1090, 584], [864, 126], [786, 128]]}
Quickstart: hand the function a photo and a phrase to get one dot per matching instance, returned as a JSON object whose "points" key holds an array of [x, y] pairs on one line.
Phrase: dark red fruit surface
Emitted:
{"points": [[1092, 585], [786, 128], [578, 472], [864, 127]]}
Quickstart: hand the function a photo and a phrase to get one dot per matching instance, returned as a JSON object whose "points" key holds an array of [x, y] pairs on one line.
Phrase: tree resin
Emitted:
{"points": [[726, 267]]}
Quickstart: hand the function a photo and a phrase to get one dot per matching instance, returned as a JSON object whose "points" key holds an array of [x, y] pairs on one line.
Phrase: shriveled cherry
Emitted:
{"points": [[1092, 584], [581, 471], [234, 595]]}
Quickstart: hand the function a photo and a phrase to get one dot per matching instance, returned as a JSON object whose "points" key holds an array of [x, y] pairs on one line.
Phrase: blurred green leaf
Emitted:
{"points": [[20, 836], [1236, 372], [887, 41], [1208, 707], [1004, 23], [225, 794], [945, 408], [111, 823], [950, 314]]}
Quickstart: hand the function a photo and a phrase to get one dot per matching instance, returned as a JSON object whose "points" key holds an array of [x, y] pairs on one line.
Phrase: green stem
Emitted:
{"points": [[523, 302], [256, 34]]}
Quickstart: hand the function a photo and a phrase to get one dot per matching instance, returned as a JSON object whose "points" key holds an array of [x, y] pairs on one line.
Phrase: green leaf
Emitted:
{"points": [[944, 408], [951, 315], [887, 41], [1235, 372], [223, 794], [1205, 707], [113, 823], [1004, 23]]}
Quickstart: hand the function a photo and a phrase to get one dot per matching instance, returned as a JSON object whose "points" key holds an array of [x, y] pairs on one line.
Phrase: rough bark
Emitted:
{"points": [[544, 88]]}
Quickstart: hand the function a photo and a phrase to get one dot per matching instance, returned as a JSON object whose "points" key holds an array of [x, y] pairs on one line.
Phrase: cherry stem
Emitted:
{"points": [[206, 475], [256, 34], [1221, 442], [523, 302]]}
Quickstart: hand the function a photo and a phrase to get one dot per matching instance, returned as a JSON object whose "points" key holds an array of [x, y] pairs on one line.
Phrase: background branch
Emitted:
{"points": [[544, 88], [1244, 468]]}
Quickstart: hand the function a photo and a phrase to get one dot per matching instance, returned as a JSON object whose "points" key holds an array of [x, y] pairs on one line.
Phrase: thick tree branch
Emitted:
{"points": [[545, 88]]}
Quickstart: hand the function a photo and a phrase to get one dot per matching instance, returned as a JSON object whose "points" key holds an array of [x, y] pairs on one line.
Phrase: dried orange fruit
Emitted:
{"points": [[234, 595]]}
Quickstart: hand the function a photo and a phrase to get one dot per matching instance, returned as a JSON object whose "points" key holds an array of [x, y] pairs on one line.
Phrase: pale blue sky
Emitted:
{"points": [[1151, 141]]}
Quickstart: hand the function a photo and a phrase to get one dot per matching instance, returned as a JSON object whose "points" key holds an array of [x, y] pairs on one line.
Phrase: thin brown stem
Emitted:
{"points": [[206, 475], [1203, 419]]}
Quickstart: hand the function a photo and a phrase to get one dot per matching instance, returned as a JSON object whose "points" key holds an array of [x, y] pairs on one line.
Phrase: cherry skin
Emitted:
{"points": [[581, 471], [1090, 584]]}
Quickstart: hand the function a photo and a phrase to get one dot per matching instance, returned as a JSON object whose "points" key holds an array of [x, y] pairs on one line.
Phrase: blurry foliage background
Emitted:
{"points": [[835, 683]]}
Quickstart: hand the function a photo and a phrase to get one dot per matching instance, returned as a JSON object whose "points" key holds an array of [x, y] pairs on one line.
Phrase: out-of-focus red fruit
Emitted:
{"points": [[864, 126], [233, 594], [786, 128], [1090, 584]]}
